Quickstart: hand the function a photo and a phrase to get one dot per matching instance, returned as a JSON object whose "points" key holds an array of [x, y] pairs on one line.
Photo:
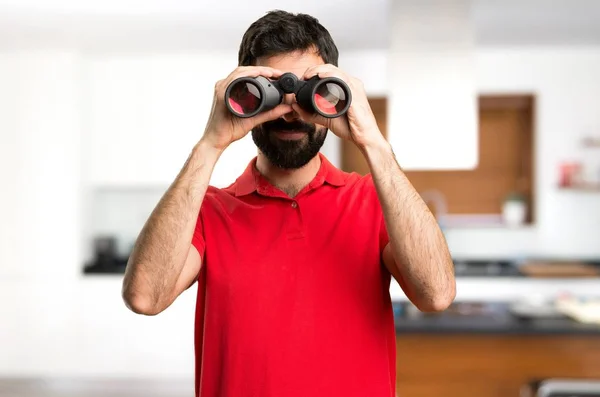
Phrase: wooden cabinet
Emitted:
{"points": [[505, 166], [477, 365]]}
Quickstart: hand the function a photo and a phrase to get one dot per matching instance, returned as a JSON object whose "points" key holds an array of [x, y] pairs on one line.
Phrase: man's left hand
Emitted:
{"points": [[358, 124]]}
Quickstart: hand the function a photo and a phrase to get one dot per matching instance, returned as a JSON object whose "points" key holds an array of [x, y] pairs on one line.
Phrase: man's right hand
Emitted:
{"points": [[223, 127]]}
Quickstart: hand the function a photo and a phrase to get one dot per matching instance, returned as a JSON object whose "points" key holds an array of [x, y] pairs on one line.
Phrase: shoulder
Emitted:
{"points": [[220, 192], [351, 180], [217, 197], [358, 192], [360, 183]]}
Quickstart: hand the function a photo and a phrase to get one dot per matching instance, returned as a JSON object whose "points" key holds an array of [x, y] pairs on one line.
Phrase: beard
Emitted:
{"points": [[289, 153]]}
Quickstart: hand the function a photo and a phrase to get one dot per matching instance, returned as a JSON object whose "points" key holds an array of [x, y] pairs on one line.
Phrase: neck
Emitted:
{"points": [[289, 181]]}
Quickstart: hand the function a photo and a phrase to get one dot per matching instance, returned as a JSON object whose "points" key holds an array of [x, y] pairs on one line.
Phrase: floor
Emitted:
{"points": [[94, 388]]}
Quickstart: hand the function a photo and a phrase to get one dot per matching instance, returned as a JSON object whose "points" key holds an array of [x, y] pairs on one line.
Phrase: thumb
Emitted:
{"points": [[314, 118], [272, 114]]}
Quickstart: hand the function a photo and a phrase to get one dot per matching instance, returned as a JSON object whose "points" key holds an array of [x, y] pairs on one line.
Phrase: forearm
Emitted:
{"points": [[161, 249], [419, 249]]}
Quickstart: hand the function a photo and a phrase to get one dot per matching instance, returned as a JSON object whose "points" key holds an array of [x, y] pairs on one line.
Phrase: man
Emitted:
{"points": [[293, 260]]}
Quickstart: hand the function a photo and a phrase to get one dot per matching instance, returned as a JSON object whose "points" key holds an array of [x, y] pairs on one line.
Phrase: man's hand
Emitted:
{"points": [[223, 127], [417, 254], [358, 124], [164, 262]]}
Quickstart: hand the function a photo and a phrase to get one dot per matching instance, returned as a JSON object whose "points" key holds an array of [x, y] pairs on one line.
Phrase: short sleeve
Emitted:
{"points": [[379, 221], [198, 238], [384, 238]]}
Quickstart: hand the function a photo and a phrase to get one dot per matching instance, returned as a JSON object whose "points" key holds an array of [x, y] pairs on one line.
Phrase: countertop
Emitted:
{"points": [[498, 320], [464, 268], [506, 268]]}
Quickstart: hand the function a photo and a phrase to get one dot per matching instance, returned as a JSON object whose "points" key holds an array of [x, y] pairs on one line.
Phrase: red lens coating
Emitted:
{"points": [[330, 98], [244, 97]]}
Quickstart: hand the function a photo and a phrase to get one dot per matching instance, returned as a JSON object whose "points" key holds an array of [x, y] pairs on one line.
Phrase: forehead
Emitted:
{"points": [[296, 62]]}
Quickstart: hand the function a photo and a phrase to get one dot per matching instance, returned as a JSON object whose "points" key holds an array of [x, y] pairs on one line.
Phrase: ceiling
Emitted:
{"points": [[209, 24]]}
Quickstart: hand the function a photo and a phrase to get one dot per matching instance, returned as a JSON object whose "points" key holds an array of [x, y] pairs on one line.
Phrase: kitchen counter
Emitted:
{"points": [[490, 364], [505, 268], [498, 320], [482, 349], [464, 268]]}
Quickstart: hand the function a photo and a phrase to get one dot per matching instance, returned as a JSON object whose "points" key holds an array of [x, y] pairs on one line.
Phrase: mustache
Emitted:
{"points": [[282, 125]]}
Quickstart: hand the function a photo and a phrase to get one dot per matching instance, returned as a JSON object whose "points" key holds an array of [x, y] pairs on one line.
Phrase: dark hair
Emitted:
{"points": [[279, 32]]}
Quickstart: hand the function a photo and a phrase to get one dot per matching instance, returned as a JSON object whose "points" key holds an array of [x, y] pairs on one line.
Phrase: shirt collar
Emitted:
{"points": [[251, 180]]}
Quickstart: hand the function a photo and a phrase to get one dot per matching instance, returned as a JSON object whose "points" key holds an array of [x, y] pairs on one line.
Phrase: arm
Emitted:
{"points": [[163, 262], [417, 254]]}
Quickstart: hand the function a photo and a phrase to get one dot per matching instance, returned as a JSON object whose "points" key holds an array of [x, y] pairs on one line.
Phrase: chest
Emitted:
{"points": [[278, 244]]}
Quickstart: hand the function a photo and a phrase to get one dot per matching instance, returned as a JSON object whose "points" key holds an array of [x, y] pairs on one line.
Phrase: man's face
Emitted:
{"points": [[289, 142]]}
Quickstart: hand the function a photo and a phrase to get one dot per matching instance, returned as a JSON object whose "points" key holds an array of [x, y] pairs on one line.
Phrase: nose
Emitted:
{"points": [[288, 99]]}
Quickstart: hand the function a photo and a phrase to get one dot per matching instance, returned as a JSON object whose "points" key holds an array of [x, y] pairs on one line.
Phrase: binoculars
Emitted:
{"points": [[248, 96]]}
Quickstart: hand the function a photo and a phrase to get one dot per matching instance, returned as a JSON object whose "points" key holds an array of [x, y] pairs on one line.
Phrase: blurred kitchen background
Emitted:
{"points": [[493, 110]]}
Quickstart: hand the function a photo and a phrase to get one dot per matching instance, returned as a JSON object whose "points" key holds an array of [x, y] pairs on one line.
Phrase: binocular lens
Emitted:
{"points": [[244, 97], [330, 98]]}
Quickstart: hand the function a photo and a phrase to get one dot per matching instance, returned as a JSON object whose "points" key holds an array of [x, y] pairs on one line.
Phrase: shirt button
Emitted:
{"points": [[294, 204]]}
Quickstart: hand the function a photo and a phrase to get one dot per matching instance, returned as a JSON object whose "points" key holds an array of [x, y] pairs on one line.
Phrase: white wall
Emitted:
{"points": [[566, 83], [41, 163], [57, 322], [40, 206], [431, 53]]}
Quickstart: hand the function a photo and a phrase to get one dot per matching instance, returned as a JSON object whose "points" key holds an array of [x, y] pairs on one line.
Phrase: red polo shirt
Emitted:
{"points": [[293, 299]]}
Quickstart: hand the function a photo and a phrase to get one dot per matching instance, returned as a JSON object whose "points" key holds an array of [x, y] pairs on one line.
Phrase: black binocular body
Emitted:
{"points": [[248, 96]]}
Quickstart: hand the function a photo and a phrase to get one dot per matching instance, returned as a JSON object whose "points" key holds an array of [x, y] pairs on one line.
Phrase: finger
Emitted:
{"points": [[352, 83], [254, 71], [272, 114], [320, 70], [331, 73]]}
